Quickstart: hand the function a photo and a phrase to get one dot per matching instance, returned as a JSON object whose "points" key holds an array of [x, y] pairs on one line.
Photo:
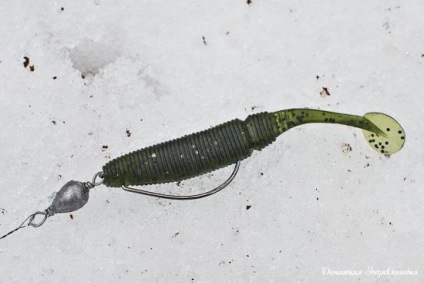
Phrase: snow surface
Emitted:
{"points": [[128, 74]]}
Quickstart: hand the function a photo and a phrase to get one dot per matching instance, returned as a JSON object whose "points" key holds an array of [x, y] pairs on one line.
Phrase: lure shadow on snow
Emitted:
{"points": [[205, 151]]}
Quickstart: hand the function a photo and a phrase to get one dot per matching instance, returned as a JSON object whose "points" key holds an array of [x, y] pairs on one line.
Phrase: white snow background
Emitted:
{"points": [[157, 70]]}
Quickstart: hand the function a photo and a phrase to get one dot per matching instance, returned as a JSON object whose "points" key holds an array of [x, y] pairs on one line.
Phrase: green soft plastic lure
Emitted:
{"points": [[217, 147], [202, 152]]}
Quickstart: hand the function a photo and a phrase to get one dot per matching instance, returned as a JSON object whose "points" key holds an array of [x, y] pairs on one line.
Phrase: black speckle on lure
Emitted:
{"points": [[217, 147]]}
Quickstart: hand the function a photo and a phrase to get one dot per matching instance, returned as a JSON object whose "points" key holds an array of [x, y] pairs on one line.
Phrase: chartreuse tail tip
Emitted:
{"points": [[391, 138]]}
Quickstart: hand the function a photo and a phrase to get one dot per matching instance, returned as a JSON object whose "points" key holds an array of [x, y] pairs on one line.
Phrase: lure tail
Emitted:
{"points": [[382, 132]]}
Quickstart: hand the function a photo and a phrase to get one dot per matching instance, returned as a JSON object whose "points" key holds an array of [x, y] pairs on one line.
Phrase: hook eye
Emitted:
{"points": [[41, 222]]}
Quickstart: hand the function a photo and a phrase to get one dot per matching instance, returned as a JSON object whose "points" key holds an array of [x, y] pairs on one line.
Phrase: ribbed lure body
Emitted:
{"points": [[193, 154]]}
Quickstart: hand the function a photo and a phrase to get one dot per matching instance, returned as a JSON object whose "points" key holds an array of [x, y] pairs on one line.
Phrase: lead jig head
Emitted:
{"points": [[71, 197]]}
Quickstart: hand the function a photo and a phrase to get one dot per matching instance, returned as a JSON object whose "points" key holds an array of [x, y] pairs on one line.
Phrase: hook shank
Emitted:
{"points": [[186, 197]]}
